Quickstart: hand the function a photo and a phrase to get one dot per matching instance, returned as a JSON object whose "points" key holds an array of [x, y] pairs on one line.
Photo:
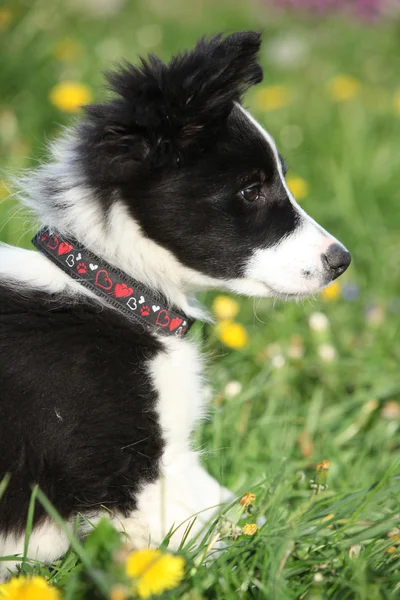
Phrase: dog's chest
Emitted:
{"points": [[176, 375]]}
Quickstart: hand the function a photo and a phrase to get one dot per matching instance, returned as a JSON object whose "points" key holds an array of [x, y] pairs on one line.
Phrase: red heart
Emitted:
{"points": [[45, 236], [64, 247], [165, 321], [103, 280], [53, 242], [122, 290], [176, 321]]}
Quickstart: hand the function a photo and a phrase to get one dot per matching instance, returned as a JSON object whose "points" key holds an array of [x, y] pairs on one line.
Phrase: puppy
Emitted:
{"points": [[169, 187]]}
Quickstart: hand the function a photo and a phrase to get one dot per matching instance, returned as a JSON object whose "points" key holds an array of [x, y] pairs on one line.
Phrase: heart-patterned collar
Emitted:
{"points": [[130, 297]]}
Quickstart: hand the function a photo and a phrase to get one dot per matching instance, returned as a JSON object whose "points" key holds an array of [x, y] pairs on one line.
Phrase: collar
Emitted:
{"points": [[128, 296]]}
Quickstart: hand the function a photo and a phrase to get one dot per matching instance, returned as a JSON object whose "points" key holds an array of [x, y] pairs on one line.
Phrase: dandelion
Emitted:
{"points": [[298, 186], [343, 87], [26, 588], [225, 308], [272, 97], [332, 292], [247, 499], [232, 334], [250, 529], [321, 476], [5, 18], [391, 550], [154, 571], [69, 96]]}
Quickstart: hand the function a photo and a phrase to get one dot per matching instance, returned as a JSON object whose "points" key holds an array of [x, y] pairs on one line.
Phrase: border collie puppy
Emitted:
{"points": [[168, 188]]}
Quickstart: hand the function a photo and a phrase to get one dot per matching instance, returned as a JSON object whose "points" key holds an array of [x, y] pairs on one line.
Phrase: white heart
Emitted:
{"points": [[155, 308], [132, 303], [78, 256], [70, 260], [93, 267], [141, 300]]}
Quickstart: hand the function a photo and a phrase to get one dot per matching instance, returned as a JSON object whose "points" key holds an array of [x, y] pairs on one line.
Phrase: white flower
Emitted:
{"points": [[278, 361], [327, 352], [318, 322], [232, 389], [287, 51]]}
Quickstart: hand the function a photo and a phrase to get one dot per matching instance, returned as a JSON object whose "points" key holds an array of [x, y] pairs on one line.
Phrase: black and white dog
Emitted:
{"points": [[169, 187]]}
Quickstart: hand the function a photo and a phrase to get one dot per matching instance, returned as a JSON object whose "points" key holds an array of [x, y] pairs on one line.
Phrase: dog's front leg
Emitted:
{"points": [[184, 497]]}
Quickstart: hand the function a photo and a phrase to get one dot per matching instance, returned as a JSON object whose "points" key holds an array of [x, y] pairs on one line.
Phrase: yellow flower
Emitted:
{"points": [[5, 18], [231, 334], [332, 292], [67, 49], [225, 308], [154, 571], [26, 588], [397, 101], [391, 550], [247, 499], [343, 87], [324, 465], [272, 97], [249, 529], [69, 96], [298, 186]]}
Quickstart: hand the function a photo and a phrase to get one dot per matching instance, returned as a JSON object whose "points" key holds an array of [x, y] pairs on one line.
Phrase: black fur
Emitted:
{"points": [[177, 149], [76, 406]]}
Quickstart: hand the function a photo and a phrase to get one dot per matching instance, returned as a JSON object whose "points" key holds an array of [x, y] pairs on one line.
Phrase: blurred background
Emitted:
{"points": [[303, 381]]}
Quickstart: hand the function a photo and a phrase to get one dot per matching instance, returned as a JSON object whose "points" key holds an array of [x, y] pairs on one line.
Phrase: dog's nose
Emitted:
{"points": [[336, 260]]}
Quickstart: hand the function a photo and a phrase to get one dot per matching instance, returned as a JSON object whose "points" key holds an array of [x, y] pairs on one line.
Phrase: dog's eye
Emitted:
{"points": [[252, 193]]}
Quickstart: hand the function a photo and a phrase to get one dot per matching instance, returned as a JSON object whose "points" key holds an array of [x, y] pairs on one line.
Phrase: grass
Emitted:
{"points": [[295, 407]]}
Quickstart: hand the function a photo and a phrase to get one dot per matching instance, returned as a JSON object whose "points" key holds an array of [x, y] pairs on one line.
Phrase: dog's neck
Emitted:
{"points": [[59, 196]]}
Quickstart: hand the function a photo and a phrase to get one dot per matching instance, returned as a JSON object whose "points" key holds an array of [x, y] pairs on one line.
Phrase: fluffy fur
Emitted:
{"points": [[173, 182]]}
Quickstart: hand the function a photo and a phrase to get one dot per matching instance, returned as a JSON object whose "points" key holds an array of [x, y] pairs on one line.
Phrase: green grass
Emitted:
{"points": [[272, 434]]}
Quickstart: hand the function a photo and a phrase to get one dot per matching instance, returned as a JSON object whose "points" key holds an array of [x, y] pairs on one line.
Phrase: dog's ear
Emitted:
{"points": [[163, 108], [216, 73]]}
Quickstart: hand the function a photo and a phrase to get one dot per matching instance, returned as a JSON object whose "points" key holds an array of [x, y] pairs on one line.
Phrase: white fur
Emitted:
{"points": [[46, 543], [279, 271], [185, 492], [26, 268], [184, 489]]}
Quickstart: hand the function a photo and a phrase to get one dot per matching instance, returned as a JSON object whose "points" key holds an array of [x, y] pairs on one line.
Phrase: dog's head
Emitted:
{"points": [[201, 177]]}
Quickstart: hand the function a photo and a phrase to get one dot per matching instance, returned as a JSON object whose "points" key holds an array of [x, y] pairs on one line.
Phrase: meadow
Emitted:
{"points": [[304, 397]]}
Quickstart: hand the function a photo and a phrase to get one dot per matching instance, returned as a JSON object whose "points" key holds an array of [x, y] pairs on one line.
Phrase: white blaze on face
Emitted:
{"points": [[294, 266]]}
